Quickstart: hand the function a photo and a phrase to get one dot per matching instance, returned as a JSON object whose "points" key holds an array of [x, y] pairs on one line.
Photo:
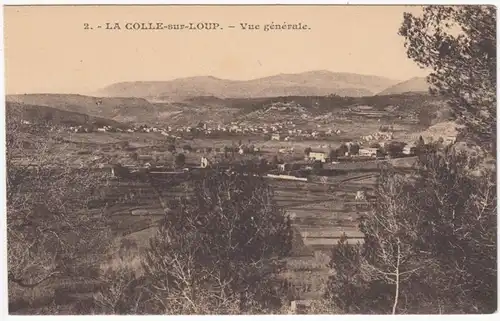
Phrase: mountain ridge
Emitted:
{"points": [[415, 85], [309, 83]]}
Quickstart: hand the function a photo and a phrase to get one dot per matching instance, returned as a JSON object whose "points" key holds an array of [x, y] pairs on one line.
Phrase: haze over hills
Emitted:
{"points": [[415, 84], [311, 83]]}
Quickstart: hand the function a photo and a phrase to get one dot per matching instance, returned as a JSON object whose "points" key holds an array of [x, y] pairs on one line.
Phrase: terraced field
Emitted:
{"points": [[321, 212]]}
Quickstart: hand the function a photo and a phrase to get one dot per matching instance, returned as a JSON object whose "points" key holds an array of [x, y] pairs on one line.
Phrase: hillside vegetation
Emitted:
{"points": [[54, 116], [213, 109], [119, 109]]}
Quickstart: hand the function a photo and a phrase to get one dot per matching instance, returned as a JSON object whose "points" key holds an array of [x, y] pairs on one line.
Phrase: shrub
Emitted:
{"points": [[219, 254], [180, 160], [430, 243]]}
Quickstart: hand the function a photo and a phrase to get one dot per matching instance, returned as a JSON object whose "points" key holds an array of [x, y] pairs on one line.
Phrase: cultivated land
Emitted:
{"points": [[323, 208]]}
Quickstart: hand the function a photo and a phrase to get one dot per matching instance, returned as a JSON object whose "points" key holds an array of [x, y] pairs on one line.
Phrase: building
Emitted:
{"points": [[318, 156], [409, 150], [368, 152], [450, 140], [300, 306], [205, 162], [360, 196], [275, 137]]}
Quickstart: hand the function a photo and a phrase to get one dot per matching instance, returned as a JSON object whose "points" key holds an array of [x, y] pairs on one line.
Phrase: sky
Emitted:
{"points": [[48, 49]]}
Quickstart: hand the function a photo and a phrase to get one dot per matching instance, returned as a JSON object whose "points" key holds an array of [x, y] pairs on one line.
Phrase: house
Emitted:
{"points": [[300, 306], [409, 150], [360, 196], [450, 140], [275, 137], [205, 162], [145, 157], [318, 156], [369, 152]]}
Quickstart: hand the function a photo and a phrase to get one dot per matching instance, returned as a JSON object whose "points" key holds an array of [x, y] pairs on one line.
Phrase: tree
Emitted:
{"points": [[383, 264], [263, 165], [354, 149], [394, 149], [317, 166], [51, 231], [275, 161], [171, 148], [187, 148], [459, 44], [332, 155], [180, 160], [425, 117], [307, 150], [420, 142], [347, 285], [459, 204], [430, 243], [342, 150], [219, 253]]}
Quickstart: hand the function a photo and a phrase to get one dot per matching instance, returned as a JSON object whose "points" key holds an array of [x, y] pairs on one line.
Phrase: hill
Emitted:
{"points": [[415, 85], [312, 83], [211, 109], [118, 109], [43, 114]]}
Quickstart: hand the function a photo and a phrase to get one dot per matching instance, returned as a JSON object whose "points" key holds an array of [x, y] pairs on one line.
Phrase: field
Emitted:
{"points": [[321, 212], [322, 209]]}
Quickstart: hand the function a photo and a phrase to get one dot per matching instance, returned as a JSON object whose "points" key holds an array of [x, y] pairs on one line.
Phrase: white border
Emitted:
{"points": [[3, 248]]}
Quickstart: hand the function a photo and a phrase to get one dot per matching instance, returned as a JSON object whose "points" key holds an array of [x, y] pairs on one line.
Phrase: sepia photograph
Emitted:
{"points": [[250, 159]]}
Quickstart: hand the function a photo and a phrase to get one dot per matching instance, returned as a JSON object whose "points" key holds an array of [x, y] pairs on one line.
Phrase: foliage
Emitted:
{"points": [[430, 243], [220, 253], [180, 160], [342, 149], [354, 149], [332, 155], [394, 149], [52, 232], [459, 44]]}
